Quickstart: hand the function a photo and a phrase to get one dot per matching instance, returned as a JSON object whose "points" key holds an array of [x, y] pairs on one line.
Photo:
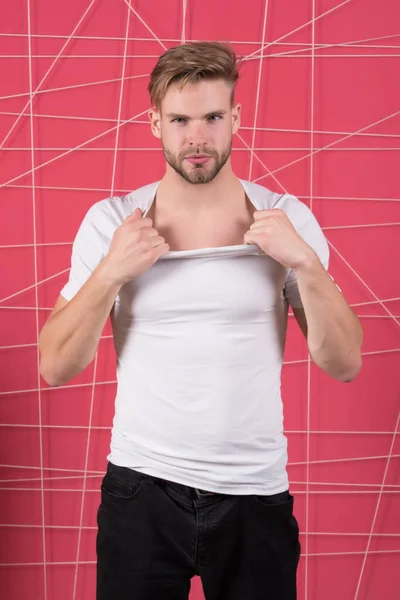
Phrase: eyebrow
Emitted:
{"points": [[219, 113]]}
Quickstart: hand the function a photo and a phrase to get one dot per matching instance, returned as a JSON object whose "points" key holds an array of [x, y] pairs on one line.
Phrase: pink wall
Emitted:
{"points": [[322, 116]]}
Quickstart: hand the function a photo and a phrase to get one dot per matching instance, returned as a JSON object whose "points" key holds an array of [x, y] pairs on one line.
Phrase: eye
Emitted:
{"points": [[214, 118], [179, 120]]}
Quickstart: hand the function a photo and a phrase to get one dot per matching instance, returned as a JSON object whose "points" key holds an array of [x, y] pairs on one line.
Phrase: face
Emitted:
{"points": [[196, 125]]}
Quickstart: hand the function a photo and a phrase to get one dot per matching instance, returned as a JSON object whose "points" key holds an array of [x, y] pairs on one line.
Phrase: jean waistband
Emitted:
{"points": [[129, 475]]}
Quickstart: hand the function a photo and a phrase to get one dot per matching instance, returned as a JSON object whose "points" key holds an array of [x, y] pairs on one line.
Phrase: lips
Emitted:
{"points": [[198, 159]]}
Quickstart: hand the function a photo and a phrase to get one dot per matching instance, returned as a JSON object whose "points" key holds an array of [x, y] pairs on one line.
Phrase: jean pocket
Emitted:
{"points": [[275, 513], [283, 499], [122, 488]]}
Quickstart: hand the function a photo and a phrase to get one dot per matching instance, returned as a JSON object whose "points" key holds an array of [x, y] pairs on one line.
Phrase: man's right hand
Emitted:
{"points": [[135, 247]]}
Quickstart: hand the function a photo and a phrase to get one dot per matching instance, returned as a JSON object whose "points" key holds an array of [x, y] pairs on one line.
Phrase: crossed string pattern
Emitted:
{"points": [[43, 478]]}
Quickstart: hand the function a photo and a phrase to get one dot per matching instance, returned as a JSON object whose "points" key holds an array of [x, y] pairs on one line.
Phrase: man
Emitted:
{"points": [[197, 272]]}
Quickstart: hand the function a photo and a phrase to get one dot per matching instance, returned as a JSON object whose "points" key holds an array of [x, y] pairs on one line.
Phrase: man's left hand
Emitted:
{"points": [[273, 232]]}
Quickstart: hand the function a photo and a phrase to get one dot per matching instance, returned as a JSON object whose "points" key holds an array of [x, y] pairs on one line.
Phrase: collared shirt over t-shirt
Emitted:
{"points": [[199, 339]]}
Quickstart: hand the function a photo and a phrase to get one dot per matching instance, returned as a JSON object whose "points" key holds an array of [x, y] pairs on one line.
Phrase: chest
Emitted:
{"points": [[210, 229], [204, 289]]}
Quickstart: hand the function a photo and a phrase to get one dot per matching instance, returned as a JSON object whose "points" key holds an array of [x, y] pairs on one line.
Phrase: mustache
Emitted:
{"points": [[198, 152]]}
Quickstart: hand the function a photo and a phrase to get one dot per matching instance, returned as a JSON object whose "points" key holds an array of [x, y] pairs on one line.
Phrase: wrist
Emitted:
{"points": [[106, 275], [307, 263]]}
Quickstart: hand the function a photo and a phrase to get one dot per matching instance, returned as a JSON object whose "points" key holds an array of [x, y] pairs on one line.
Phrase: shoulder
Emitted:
{"points": [[263, 198], [260, 196], [105, 216]]}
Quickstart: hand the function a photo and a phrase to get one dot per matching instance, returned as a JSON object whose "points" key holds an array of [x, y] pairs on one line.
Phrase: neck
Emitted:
{"points": [[175, 192]]}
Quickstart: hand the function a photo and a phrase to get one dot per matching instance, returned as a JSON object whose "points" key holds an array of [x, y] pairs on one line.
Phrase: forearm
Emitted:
{"points": [[334, 333], [69, 339]]}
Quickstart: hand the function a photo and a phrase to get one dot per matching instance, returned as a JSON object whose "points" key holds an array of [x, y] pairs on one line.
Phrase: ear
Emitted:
{"points": [[236, 113], [155, 122]]}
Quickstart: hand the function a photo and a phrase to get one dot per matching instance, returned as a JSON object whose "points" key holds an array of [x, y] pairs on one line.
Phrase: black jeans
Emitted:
{"points": [[154, 536]]}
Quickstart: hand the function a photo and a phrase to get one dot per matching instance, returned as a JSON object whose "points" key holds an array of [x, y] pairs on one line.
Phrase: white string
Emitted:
{"points": [[71, 87], [91, 56], [54, 479], [103, 337], [38, 245], [268, 149], [68, 387], [352, 484], [286, 431], [287, 55], [244, 127], [29, 526], [127, 2], [373, 352], [359, 226], [184, 9], [65, 427], [177, 41], [93, 139], [325, 227], [325, 461], [123, 191], [258, 159], [375, 302], [285, 35], [289, 362], [30, 287], [37, 326], [314, 492], [94, 528], [363, 282], [121, 95], [61, 469], [340, 460], [308, 426], [367, 550], [291, 130], [33, 93], [300, 53], [330, 145], [93, 562], [351, 199], [260, 66]]}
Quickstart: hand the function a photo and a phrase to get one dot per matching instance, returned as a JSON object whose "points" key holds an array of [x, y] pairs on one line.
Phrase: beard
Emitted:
{"points": [[198, 174]]}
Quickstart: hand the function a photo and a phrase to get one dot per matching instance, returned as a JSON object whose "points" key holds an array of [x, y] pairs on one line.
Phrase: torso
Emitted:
{"points": [[211, 230]]}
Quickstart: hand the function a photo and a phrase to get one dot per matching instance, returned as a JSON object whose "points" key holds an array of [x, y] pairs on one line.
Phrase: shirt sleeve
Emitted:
{"points": [[88, 250], [309, 229]]}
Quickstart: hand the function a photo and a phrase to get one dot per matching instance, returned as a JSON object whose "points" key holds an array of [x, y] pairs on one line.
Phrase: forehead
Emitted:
{"points": [[197, 98]]}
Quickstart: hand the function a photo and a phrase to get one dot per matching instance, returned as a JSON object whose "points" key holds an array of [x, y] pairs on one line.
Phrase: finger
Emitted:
{"points": [[142, 223], [161, 250], [134, 216], [263, 214], [157, 241], [249, 237], [150, 232], [258, 225]]}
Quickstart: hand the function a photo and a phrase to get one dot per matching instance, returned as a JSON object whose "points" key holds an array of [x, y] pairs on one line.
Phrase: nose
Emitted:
{"points": [[197, 135]]}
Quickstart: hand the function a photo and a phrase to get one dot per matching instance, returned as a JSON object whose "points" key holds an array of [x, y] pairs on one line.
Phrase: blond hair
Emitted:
{"points": [[191, 63]]}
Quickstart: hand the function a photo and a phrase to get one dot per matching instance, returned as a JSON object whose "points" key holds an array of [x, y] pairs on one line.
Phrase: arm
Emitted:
{"points": [[334, 333], [70, 337]]}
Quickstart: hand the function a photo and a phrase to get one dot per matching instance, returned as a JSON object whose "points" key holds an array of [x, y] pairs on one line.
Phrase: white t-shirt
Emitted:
{"points": [[200, 339]]}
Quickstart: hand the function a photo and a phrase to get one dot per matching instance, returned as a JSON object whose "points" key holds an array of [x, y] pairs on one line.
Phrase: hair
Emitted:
{"points": [[191, 63]]}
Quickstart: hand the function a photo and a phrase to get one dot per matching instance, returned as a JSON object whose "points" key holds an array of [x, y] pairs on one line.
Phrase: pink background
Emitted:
{"points": [[321, 119]]}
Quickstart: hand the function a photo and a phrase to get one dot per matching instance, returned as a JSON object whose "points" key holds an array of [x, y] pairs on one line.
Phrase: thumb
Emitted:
{"points": [[134, 216]]}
